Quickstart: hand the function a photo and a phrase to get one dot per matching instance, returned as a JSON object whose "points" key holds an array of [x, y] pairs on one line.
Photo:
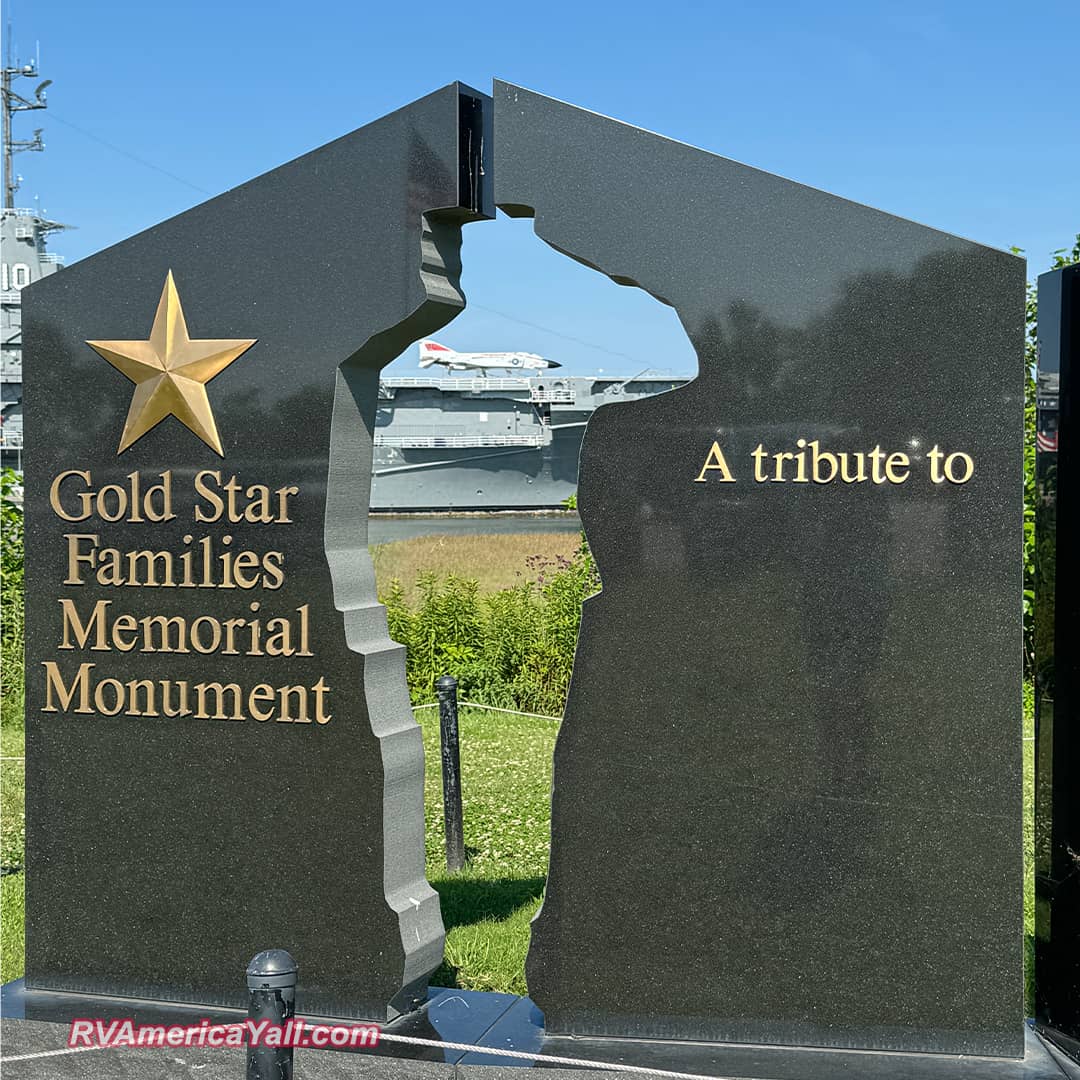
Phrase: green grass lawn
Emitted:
{"points": [[12, 917], [12, 832], [506, 779], [494, 560], [506, 797]]}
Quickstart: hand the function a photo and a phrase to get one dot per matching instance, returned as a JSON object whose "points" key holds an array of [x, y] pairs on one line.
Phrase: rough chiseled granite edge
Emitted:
{"points": [[405, 884]]}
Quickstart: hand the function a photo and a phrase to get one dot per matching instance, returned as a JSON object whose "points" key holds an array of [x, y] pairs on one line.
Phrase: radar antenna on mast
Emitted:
{"points": [[12, 103]]}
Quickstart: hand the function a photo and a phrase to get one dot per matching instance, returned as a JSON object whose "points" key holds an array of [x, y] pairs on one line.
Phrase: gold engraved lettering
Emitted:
{"points": [[858, 475], [149, 703], [205, 634], [73, 625], [150, 562], [211, 642], [760, 456], [203, 488], [116, 705], [289, 704], [54, 682], [813, 464], [715, 460], [259, 695], [206, 568], [112, 502], [321, 689], [230, 501], [285, 711], [84, 510], [957, 468], [779, 458], [895, 462], [219, 690], [76, 555], [966, 468], [158, 628], [877, 460], [123, 625]]}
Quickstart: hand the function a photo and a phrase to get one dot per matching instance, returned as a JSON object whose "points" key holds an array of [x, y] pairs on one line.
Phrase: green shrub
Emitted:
{"points": [[11, 598], [513, 648]]}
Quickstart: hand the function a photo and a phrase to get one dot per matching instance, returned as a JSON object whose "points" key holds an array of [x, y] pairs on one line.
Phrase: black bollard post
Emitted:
{"points": [[446, 688], [271, 980]]}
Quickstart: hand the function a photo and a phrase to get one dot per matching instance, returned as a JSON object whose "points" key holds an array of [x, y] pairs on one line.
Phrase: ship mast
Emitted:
{"points": [[13, 102]]}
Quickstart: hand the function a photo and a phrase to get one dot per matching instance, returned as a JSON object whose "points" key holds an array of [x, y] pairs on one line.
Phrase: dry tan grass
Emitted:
{"points": [[496, 561]]}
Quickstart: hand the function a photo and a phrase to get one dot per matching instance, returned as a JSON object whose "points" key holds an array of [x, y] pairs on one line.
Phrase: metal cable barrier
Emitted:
{"points": [[517, 1055]]}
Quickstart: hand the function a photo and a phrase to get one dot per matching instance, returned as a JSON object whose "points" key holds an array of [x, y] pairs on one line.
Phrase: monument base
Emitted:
{"points": [[36, 1022]]}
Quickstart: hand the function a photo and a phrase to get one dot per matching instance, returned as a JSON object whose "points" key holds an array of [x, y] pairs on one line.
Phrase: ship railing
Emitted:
{"points": [[10, 296], [51, 258], [457, 442], [468, 385], [558, 397]]}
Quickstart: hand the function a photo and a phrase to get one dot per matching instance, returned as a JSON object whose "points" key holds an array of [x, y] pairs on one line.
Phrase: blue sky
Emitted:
{"points": [[961, 115]]}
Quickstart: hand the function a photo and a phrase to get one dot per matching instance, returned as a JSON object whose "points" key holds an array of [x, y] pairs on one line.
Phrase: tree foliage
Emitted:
{"points": [[11, 572]]}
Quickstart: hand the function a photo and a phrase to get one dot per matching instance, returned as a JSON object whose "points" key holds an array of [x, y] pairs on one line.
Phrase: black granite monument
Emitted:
{"points": [[787, 785], [787, 788], [1057, 673], [220, 751]]}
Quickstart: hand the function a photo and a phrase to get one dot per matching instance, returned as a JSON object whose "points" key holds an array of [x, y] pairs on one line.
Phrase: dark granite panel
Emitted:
{"points": [[512, 1025], [1057, 659], [522, 1028], [163, 852], [787, 788]]}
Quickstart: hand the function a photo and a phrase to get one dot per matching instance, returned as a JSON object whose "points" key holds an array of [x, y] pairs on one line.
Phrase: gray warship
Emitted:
{"points": [[477, 442], [454, 443], [23, 259]]}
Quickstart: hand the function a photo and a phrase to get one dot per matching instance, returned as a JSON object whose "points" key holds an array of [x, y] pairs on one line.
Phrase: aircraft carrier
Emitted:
{"points": [[474, 442], [23, 259], [452, 443]]}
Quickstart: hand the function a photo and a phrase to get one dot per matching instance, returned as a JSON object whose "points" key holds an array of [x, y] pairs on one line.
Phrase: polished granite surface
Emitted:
{"points": [[220, 751], [492, 1022], [787, 786]]}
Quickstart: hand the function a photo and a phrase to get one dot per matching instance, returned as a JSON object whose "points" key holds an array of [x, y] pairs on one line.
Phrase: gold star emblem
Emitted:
{"points": [[170, 372]]}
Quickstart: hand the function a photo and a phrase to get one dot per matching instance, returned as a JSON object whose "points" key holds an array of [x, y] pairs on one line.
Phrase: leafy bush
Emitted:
{"points": [[11, 595], [513, 648]]}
